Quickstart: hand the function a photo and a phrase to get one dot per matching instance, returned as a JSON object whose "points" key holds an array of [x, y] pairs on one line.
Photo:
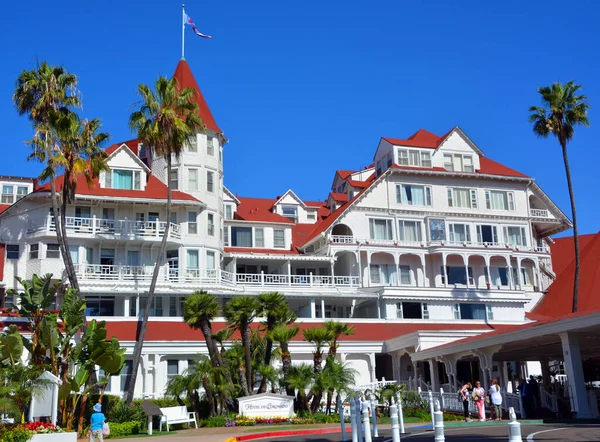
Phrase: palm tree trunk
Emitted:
{"points": [[286, 364], [563, 144], [211, 345], [143, 324], [209, 396], [245, 329], [243, 379], [62, 226]]}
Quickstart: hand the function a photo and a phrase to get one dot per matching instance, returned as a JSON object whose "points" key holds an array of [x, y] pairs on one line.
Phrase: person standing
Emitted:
{"points": [[97, 424], [479, 398], [496, 400], [463, 395]]}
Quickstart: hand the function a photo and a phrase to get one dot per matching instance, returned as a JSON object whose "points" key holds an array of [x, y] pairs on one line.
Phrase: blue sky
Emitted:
{"points": [[304, 88]]}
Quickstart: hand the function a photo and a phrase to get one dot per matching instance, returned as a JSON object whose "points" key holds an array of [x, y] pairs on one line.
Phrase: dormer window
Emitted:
{"points": [[458, 162], [414, 158], [123, 179], [290, 212]]}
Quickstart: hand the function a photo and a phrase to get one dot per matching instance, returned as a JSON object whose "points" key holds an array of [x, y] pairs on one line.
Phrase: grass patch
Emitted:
{"points": [[145, 434]]}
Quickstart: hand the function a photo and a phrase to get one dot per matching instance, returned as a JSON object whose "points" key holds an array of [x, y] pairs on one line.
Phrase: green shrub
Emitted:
{"points": [[412, 399], [118, 430], [215, 421], [121, 412], [14, 433], [420, 413], [322, 418]]}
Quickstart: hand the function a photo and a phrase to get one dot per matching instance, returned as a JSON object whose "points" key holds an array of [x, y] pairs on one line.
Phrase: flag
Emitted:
{"points": [[188, 20]]}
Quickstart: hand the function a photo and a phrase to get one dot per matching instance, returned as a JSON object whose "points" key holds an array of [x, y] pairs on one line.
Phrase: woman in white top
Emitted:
{"points": [[496, 399]]}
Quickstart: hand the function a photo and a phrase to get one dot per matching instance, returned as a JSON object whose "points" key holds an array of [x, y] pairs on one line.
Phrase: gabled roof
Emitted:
{"points": [[293, 195], [131, 144], [133, 154], [557, 303], [421, 138], [491, 167], [155, 190], [231, 195], [343, 174], [3, 207], [259, 209], [185, 78], [339, 197]]}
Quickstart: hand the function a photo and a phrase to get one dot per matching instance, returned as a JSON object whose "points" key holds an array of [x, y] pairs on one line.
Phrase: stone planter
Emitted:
{"points": [[54, 437]]}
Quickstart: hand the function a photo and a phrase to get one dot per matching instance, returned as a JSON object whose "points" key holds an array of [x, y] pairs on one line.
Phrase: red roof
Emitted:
{"points": [[180, 331], [344, 173], [361, 184], [259, 209], [3, 207], [131, 144], [185, 78], [491, 167], [421, 138], [339, 197], [557, 303], [563, 251], [155, 189]]}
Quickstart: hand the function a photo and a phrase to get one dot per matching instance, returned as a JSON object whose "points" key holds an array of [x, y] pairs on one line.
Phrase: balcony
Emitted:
{"points": [[539, 213], [106, 227]]}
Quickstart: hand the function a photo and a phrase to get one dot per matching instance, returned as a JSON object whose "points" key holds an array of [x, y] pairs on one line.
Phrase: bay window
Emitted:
{"points": [[381, 229], [413, 195], [210, 260], [192, 223], [211, 224], [409, 231], [210, 185], [192, 179], [499, 200], [192, 262]]}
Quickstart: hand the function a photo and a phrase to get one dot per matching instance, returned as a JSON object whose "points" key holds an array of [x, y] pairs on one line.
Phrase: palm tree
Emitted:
{"points": [[318, 336], [275, 309], [43, 94], [199, 309], [203, 373], [339, 378], [235, 356], [301, 378], [562, 110], [239, 313], [336, 329], [283, 334], [167, 119]]}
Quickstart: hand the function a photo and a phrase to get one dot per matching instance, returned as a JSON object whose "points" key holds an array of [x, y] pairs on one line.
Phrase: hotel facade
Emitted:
{"points": [[432, 243]]}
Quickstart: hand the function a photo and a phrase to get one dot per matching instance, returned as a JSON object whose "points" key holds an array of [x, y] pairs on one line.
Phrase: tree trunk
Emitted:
{"points": [[245, 331], [62, 226], [329, 396], [209, 396], [81, 414], [563, 144], [243, 380], [143, 325], [286, 364], [211, 345], [268, 352]]}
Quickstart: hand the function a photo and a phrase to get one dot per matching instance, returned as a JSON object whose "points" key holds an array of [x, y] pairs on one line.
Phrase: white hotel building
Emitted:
{"points": [[432, 243]]}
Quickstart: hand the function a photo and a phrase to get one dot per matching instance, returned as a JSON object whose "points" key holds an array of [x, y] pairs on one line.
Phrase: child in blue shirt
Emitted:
{"points": [[97, 423]]}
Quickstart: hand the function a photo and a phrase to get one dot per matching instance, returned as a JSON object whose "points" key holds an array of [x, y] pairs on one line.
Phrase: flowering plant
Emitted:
{"points": [[43, 427]]}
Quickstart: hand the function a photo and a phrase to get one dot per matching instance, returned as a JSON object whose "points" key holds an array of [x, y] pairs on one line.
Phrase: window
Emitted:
{"points": [[7, 194], [525, 276], [226, 235], [499, 276], [210, 260], [470, 311], [192, 179], [409, 231], [137, 180], [192, 259], [192, 223], [172, 368], [126, 375], [172, 306], [487, 234], [210, 146], [413, 195], [12, 251], [415, 158], [228, 211], [473, 198], [499, 200], [389, 160], [124, 179], [458, 162], [21, 192], [311, 216], [412, 310], [210, 186], [515, 236], [279, 238], [259, 237], [241, 236], [99, 306], [193, 144], [459, 233], [383, 274], [34, 251], [457, 275], [290, 212], [53, 251], [460, 198], [174, 180], [211, 224], [405, 275], [381, 229]]}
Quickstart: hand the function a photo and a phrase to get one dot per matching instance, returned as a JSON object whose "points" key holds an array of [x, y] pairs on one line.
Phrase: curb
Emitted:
{"points": [[285, 433]]}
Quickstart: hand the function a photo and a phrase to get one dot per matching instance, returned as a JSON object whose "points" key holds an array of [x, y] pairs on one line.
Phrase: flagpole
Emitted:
{"points": [[182, 31]]}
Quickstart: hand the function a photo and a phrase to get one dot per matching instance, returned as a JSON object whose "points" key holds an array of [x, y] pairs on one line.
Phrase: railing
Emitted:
{"points": [[341, 239], [310, 280], [99, 226], [450, 401], [548, 401], [539, 213]]}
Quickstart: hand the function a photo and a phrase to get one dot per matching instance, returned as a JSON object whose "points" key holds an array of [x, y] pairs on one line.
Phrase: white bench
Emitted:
{"points": [[177, 415]]}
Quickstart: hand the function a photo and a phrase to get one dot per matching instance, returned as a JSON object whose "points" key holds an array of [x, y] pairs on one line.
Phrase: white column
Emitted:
{"points": [[444, 272], [423, 273], [435, 374], [289, 271], [372, 364], [487, 270], [397, 263], [313, 309], [322, 309], [574, 371], [466, 261], [126, 306], [368, 269], [518, 278], [538, 275], [234, 269]]}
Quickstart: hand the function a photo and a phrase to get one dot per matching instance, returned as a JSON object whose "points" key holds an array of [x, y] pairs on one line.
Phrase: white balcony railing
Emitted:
{"points": [[99, 226], [539, 213], [341, 239]]}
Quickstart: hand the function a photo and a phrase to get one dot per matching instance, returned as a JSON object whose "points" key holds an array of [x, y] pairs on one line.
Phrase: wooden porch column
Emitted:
{"points": [[465, 258]]}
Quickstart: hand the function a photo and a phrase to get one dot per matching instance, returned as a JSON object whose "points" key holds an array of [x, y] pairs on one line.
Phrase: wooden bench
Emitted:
{"points": [[177, 415]]}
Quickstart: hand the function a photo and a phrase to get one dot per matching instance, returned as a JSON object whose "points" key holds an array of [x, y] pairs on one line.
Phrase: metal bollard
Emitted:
{"points": [[514, 427], [353, 420], [359, 429], [438, 423], [366, 422], [431, 405], [374, 416], [400, 413], [340, 406], [395, 426]]}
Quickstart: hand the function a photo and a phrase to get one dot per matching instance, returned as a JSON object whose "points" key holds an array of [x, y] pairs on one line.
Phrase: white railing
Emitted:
{"points": [[548, 401], [264, 279], [99, 226], [539, 213], [512, 400], [341, 239]]}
